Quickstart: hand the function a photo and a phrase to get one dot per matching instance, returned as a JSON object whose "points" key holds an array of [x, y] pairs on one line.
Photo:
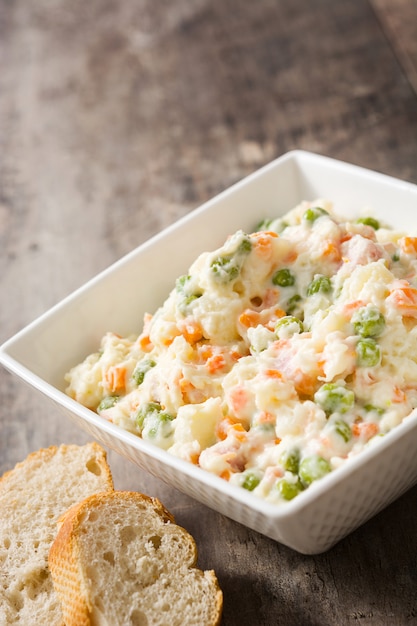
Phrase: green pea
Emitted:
{"points": [[184, 304], [293, 304], [333, 398], [140, 370], [245, 246], [225, 269], [160, 421], [369, 221], [368, 353], [343, 429], [289, 489], [187, 296], [276, 225], [370, 408], [368, 321], [182, 281], [319, 284], [289, 324], [191, 298], [290, 460], [107, 403], [144, 411], [152, 420], [264, 224], [313, 468], [251, 480], [314, 213], [283, 278]]}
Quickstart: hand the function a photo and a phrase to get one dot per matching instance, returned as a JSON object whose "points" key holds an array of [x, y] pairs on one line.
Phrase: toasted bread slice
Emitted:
{"points": [[119, 559], [33, 496]]}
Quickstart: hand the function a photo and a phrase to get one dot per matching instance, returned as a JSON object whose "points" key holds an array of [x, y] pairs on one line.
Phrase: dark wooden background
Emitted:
{"points": [[116, 118]]}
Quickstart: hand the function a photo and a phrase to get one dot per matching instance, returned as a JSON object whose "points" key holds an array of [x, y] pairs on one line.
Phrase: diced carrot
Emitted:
{"points": [[168, 341], [225, 474], [230, 425], [404, 297], [273, 373], [249, 318], [365, 430], [239, 432], [238, 399], [346, 237], [215, 363], [185, 385], [194, 456], [331, 251], [263, 242], [290, 257], [115, 378], [262, 234], [320, 364], [205, 351], [398, 395], [266, 418], [145, 343], [305, 385], [279, 313], [272, 320], [223, 427], [238, 427], [351, 307], [191, 330], [235, 354], [190, 393], [143, 340], [408, 245]]}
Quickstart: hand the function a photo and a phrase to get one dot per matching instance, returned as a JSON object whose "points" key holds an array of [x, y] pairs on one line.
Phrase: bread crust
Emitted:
{"points": [[33, 495], [66, 558], [43, 455]]}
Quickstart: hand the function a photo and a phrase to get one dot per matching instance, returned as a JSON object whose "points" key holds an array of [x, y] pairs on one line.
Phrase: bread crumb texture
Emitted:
{"points": [[119, 559], [33, 496]]}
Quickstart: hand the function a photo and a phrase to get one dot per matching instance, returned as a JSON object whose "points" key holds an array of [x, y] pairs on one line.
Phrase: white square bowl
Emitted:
{"points": [[45, 350]]}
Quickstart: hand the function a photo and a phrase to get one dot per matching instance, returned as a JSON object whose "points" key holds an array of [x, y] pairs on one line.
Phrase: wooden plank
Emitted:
{"points": [[399, 22]]}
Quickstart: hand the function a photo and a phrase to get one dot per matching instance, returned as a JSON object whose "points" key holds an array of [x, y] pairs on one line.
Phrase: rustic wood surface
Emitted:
{"points": [[116, 118]]}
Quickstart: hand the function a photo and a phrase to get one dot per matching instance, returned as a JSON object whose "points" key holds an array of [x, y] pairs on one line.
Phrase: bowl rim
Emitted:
{"points": [[247, 499]]}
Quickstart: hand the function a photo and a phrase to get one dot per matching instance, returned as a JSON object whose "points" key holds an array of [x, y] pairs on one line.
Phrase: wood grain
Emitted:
{"points": [[399, 22], [117, 118]]}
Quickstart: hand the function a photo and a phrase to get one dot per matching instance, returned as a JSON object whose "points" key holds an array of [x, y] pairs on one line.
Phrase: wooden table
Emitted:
{"points": [[116, 118]]}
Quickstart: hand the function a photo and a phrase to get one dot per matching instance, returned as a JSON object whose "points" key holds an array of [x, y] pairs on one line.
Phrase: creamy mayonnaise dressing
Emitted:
{"points": [[276, 358]]}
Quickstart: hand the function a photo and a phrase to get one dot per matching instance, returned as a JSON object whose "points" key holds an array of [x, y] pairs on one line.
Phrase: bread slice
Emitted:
{"points": [[119, 559], [33, 496]]}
